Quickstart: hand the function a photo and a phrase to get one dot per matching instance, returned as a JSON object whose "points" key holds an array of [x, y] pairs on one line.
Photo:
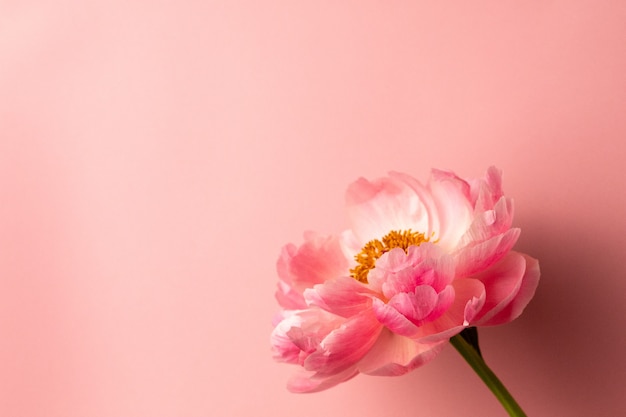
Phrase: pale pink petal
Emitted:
{"points": [[454, 208], [489, 223], [486, 191], [350, 246], [288, 297], [469, 296], [300, 333], [283, 348], [375, 208], [318, 259], [429, 223], [306, 382], [345, 345], [343, 296], [394, 355], [510, 287], [478, 257]]}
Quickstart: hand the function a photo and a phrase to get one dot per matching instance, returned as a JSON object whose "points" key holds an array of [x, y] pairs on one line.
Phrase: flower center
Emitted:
{"points": [[374, 249]]}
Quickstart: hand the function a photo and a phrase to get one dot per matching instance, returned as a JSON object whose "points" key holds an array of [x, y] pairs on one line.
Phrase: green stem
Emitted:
{"points": [[489, 378]]}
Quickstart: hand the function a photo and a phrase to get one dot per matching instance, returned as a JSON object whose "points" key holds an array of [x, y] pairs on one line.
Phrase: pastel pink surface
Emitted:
{"points": [[154, 158]]}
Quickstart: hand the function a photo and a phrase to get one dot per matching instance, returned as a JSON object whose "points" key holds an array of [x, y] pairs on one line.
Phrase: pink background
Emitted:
{"points": [[155, 156]]}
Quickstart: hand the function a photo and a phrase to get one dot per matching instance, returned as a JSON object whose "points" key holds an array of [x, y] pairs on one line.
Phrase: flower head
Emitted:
{"points": [[418, 264]]}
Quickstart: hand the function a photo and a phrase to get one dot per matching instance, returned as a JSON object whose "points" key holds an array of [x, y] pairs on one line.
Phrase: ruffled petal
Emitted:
{"points": [[489, 223], [343, 296], [394, 355], [422, 305], [478, 257], [398, 272], [300, 333], [394, 320], [431, 257], [377, 207], [469, 297], [283, 348], [510, 286], [318, 259], [415, 306], [454, 209], [486, 191], [345, 345], [430, 223]]}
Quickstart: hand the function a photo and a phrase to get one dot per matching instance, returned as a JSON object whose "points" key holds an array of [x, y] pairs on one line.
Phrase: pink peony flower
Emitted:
{"points": [[419, 264]]}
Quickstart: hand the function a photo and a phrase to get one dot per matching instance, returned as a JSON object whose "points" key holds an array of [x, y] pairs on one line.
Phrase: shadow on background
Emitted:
{"points": [[572, 333]]}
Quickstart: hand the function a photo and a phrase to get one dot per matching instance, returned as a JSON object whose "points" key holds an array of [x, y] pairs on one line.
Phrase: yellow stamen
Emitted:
{"points": [[374, 249]]}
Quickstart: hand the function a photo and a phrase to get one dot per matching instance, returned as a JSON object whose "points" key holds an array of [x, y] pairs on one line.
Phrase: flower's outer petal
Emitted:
{"points": [[489, 223], [343, 296], [487, 191], [288, 297], [346, 345], [375, 208], [283, 348], [305, 381], [454, 209], [394, 355], [318, 259], [300, 333], [510, 285], [478, 257], [469, 299], [502, 282]]}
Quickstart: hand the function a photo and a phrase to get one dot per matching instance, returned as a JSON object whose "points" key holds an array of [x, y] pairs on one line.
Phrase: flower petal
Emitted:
{"points": [[343, 296], [318, 259], [345, 345], [510, 286], [429, 224], [377, 207], [454, 209], [394, 355], [478, 257], [300, 332], [415, 306], [489, 223], [487, 191], [469, 296], [397, 271], [390, 317]]}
